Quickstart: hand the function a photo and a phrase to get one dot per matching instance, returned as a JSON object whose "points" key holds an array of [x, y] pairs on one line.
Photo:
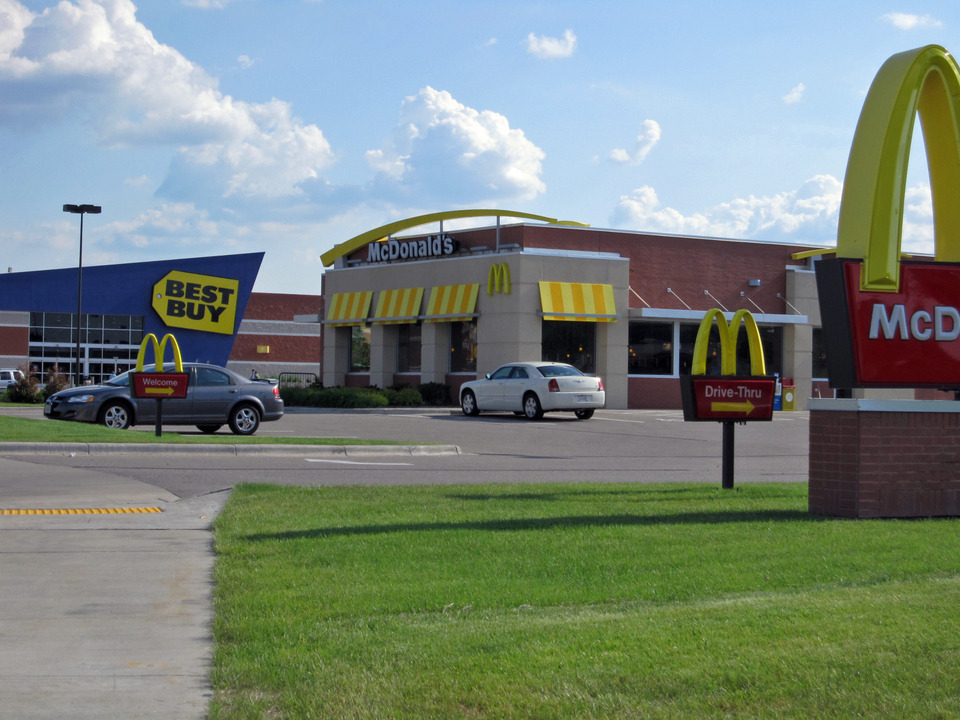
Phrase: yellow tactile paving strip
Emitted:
{"points": [[80, 511]]}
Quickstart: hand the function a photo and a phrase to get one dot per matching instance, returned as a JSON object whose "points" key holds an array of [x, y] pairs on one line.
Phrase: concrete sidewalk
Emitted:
{"points": [[106, 614]]}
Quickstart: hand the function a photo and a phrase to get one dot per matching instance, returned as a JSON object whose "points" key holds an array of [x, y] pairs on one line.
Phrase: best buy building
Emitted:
{"points": [[450, 305]]}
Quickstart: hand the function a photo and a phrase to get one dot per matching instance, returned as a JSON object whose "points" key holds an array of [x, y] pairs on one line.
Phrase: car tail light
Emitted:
{"points": [[553, 385], [276, 391], [599, 384]]}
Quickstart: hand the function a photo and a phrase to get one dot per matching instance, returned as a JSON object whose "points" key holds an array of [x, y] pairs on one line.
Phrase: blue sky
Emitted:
{"points": [[207, 127]]}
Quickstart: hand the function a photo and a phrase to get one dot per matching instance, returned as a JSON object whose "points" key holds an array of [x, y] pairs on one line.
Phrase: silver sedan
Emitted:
{"points": [[533, 388], [215, 397]]}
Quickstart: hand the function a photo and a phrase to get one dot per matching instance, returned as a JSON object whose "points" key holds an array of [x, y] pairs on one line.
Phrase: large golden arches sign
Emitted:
{"points": [[924, 82], [355, 243]]}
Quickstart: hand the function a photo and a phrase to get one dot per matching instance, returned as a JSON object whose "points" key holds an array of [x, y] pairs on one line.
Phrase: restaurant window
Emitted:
{"points": [[771, 338], [360, 349], [574, 343], [650, 348], [408, 348], [463, 346]]}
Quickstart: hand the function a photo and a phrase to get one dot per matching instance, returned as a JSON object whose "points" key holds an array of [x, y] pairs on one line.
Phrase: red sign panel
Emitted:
{"points": [[910, 338], [733, 398], [159, 386]]}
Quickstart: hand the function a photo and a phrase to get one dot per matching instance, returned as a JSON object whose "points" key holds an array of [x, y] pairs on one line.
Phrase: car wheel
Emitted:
{"points": [[583, 414], [208, 429], [531, 407], [244, 420], [116, 415], [468, 403]]}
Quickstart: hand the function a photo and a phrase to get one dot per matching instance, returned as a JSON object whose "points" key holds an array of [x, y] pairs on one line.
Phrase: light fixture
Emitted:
{"points": [[80, 210]]}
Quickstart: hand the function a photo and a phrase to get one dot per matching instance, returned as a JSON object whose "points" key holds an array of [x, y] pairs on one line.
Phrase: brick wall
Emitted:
{"points": [[870, 464]]}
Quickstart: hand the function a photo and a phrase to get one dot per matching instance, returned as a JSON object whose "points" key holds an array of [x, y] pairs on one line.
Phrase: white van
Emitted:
{"points": [[9, 378]]}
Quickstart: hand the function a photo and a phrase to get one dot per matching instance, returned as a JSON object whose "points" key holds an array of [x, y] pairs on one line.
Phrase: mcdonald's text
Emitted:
{"points": [[390, 250], [909, 338]]}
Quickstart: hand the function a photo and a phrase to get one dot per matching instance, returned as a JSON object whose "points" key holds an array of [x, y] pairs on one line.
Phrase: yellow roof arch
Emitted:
{"points": [[355, 243]]}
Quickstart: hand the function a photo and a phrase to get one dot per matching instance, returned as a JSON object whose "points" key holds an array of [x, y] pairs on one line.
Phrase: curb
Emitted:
{"points": [[236, 450]]}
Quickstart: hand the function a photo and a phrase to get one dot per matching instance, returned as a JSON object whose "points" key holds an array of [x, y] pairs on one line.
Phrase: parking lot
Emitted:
{"points": [[614, 446]]}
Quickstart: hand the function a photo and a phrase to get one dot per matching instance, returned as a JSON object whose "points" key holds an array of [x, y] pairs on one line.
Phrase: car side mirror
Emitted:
{"points": [[487, 376]]}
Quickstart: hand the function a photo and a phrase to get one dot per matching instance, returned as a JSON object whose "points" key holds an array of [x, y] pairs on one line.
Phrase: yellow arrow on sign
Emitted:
{"points": [[158, 391], [745, 407]]}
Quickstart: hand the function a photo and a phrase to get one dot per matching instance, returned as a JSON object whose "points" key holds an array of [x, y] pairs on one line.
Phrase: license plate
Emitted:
{"points": [[581, 398]]}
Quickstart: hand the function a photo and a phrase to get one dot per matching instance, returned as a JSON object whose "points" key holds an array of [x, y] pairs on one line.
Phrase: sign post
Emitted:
{"points": [[159, 385], [728, 398]]}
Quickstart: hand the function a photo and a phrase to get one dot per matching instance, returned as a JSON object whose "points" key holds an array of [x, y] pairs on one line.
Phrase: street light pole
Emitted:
{"points": [[80, 210]]}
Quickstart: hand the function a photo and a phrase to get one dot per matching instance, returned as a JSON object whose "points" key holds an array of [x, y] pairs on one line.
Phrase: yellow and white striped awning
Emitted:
{"points": [[349, 308], [397, 307], [452, 303], [582, 302]]}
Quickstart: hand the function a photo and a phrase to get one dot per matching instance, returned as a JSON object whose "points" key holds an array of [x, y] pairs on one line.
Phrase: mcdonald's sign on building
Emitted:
{"points": [[890, 321]]}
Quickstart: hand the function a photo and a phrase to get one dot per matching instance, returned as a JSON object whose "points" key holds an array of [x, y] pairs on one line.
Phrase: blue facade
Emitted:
{"points": [[127, 289]]}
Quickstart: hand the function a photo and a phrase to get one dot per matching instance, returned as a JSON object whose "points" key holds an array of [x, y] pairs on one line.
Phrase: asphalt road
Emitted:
{"points": [[614, 446]]}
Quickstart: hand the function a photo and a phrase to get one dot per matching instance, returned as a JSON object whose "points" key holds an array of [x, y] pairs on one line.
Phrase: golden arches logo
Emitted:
{"points": [[728, 343], [158, 352], [924, 82], [498, 279]]}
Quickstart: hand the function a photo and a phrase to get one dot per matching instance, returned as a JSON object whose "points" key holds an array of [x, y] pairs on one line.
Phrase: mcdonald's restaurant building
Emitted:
{"points": [[451, 306]]}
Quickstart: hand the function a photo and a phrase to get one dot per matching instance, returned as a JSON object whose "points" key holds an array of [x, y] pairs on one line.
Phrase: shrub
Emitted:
{"points": [[407, 397], [56, 381], [25, 391], [435, 393], [335, 397]]}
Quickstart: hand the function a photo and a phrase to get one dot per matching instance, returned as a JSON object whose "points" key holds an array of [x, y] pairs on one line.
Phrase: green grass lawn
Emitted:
{"points": [[14, 429], [579, 601]]}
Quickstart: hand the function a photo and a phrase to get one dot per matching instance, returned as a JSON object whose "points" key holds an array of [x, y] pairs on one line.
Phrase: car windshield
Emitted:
{"points": [[558, 370], [122, 380]]}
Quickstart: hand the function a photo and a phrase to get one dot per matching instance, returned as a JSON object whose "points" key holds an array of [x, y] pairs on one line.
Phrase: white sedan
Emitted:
{"points": [[533, 388]]}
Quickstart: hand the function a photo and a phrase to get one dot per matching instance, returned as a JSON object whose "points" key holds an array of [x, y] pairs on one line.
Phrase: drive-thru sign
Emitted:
{"points": [[733, 398], [728, 398]]}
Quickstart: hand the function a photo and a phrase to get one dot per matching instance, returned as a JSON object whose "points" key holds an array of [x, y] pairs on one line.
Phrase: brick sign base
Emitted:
{"points": [[884, 459]]}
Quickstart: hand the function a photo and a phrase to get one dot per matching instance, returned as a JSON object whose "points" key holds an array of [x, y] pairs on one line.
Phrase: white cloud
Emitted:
{"points": [[97, 55], [795, 95], [648, 137], [809, 214], [906, 21], [245, 61], [549, 48], [448, 150]]}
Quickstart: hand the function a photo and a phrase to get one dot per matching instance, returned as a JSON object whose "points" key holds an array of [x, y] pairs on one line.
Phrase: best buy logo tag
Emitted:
{"points": [[197, 302]]}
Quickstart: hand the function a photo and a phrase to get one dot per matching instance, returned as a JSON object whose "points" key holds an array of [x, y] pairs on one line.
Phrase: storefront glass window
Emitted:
{"points": [[463, 346], [650, 349], [360, 349], [574, 343], [103, 353], [771, 338], [408, 348]]}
